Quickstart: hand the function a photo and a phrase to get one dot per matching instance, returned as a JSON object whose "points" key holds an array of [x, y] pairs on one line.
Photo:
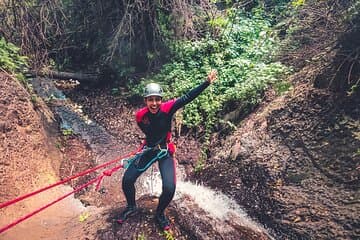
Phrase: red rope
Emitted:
{"points": [[3, 229], [108, 172], [5, 204]]}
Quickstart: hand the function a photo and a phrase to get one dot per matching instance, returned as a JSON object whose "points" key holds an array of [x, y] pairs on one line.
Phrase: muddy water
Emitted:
{"points": [[216, 206]]}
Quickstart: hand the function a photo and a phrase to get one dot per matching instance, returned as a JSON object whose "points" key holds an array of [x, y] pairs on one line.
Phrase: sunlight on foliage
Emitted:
{"points": [[242, 54], [168, 235], [141, 237], [10, 59], [298, 3], [67, 132], [218, 22], [84, 216]]}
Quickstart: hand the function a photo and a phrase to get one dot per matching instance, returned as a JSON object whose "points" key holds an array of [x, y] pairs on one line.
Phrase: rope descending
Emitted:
{"points": [[126, 161]]}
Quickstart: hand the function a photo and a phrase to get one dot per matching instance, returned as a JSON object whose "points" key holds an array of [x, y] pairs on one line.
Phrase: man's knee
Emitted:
{"points": [[128, 180], [169, 188]]}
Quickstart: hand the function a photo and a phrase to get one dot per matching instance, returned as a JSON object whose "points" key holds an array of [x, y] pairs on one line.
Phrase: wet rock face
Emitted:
{"points": [[326, 132], [250, 184], [298, 175], [140, 226], [322, 133]]}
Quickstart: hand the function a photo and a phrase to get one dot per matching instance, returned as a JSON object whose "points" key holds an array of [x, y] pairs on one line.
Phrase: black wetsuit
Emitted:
{"points": [[157, 129]]}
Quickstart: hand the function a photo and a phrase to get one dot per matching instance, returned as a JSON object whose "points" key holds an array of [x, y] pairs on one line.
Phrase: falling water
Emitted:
{"points": [[217, 205]]}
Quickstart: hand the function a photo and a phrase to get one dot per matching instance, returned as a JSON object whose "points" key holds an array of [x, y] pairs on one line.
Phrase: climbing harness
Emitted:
{"points": [[163, 152]]}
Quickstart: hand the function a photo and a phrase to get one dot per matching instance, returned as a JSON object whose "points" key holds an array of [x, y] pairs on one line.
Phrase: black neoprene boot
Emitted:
{"points": [[162, 221], [128, 212]]}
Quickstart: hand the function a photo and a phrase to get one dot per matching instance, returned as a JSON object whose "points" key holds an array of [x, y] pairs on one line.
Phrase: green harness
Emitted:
{"points": [[135, 159]]}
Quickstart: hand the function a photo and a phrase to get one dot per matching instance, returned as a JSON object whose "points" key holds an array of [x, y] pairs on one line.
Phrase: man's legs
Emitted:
{"points": [[168, 175], [131, 175], [128, 186]]}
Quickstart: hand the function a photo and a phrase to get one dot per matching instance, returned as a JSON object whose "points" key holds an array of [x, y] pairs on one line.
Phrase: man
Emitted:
{"points": [[154, 121]]}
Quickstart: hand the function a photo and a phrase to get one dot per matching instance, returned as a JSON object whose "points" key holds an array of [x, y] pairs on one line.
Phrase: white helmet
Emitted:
{"points": [[153, 89]]}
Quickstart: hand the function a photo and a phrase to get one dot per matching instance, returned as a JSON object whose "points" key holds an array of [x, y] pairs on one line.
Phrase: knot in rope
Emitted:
{"points": [[107, 173]]}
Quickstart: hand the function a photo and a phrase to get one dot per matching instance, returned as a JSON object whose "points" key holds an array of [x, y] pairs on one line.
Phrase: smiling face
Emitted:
{"points": [[153, 103]]}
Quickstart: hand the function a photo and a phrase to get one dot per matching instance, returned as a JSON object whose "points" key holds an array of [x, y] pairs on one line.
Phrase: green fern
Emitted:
{"points": [[10, 59]]}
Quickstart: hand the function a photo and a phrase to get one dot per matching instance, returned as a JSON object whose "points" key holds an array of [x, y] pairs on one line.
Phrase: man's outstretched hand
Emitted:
{"points": [[212, 76]]}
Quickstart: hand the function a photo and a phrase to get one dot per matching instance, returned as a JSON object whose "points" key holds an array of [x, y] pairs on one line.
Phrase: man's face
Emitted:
{"points": [[153, 103]]}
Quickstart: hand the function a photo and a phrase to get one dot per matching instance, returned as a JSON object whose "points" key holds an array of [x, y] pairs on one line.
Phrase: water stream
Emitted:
{"points": [[217, 206]]}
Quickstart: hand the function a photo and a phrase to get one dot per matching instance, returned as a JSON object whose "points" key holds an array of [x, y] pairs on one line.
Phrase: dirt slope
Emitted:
{"points": [[294, 164], [27, 156], [28, 160]]}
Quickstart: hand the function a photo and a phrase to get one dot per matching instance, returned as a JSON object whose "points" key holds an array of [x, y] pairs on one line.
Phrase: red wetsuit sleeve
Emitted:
{"points": [[167, 106], [140, 114]]}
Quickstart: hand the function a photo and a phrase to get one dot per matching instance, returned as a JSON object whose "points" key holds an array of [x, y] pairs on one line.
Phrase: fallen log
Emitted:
{"points": [[81, 77]]}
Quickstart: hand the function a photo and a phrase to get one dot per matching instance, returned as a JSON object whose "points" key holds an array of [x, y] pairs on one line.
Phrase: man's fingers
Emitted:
{"points": [[213, 74]]}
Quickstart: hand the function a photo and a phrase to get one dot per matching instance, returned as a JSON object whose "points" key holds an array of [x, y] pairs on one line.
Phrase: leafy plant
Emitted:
{"points": [[199, 166], [242, 54], [168, 235], [298, 3], [354, 88], [10, 59], [282, 87], [115, 91], [357, 153], [58, 145], [67, 132], [141, 236]]}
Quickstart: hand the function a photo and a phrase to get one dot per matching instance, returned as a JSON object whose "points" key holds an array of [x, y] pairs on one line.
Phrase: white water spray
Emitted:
{"points": [[218, 206]]}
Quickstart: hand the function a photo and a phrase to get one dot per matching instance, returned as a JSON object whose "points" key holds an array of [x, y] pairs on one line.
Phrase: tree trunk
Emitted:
{"points": [[81, 77]]}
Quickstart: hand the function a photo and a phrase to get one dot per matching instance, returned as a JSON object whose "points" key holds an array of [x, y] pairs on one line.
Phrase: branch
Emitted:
{"points": [[81, 77]]}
